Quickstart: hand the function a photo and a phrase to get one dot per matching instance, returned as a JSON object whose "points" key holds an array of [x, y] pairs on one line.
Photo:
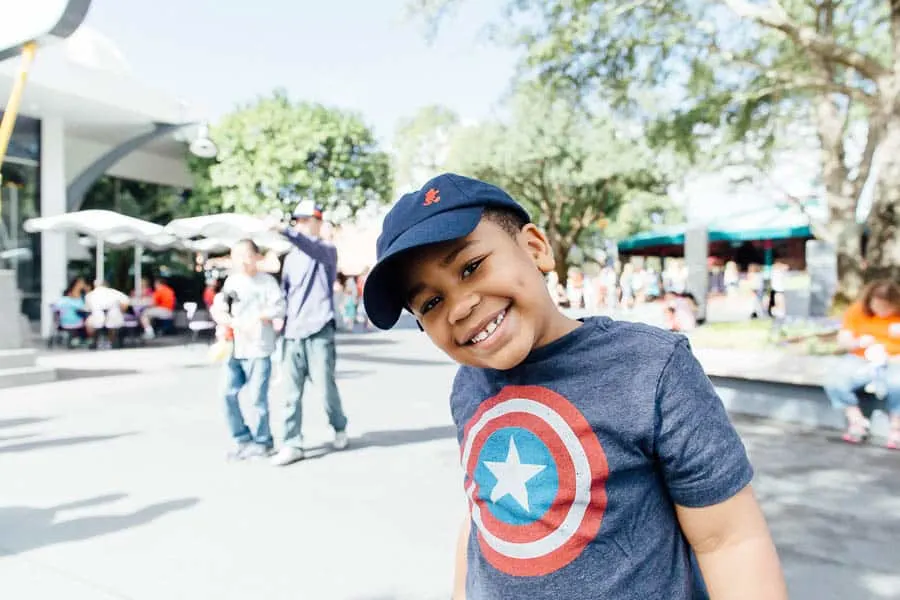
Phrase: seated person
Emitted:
{"points": [[162, 307], [71, 309], [146, 296], [106, 307], [871, 335]]}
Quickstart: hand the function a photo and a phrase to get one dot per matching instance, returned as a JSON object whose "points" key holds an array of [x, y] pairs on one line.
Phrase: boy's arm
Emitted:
{"points": [[219, 309], [460, 568], [735, 551], [708, 474]]}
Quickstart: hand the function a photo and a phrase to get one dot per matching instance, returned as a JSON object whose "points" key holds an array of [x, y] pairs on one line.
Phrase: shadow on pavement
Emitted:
{"points": [[63, 374], [391, 360], [27, 528], [402, 437], [831, 508], [17, 436], [18, 422], [356, 339], [58, 442], [350, 373]]}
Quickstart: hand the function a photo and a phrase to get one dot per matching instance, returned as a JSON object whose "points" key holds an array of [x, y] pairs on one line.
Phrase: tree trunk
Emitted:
{"points": [[842, 231], [848, 247], [883, 248], [561, 254]]}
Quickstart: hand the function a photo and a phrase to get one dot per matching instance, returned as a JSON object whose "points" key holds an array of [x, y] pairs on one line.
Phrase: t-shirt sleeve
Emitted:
{"points": [[703, 459]]}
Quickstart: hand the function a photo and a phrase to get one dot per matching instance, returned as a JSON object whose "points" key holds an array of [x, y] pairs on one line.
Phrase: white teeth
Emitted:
{"points": [[489, 329]]}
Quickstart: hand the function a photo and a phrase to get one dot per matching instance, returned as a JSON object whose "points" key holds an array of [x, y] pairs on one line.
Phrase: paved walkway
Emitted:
{"points": [[115, 487]]}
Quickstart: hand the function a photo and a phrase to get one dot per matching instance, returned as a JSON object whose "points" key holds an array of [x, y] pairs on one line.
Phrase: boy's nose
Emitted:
{"points": [[462, 306]]}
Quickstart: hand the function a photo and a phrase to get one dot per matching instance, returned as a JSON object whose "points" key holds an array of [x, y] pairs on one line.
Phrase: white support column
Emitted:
{"points": [[696, 255], [138, 274], [53, 202]]}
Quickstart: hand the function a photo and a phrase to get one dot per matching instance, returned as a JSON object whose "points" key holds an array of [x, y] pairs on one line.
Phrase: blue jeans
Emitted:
{"points": [[312, 358], [854, 373], [252, 374]]}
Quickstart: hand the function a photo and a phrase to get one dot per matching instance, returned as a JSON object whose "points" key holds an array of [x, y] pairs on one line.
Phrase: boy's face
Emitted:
{"points": [[482, 299], [244, 259]]}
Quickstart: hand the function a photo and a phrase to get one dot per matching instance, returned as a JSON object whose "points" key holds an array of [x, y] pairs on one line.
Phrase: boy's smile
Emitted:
{"points": [[482, 298]]}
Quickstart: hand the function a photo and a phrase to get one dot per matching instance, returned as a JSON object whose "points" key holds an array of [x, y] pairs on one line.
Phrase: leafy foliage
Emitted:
{"points": [[706, 75], [275, 151], [573, 170], [421, 144]]}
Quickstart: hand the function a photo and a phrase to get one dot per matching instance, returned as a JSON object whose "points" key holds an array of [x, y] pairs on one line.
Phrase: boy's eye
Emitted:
{"points": [[429, 304], [471, 267]]}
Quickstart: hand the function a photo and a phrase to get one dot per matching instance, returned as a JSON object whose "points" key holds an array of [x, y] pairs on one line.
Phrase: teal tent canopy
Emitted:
{"points": [[776, 223], [671, 236]]}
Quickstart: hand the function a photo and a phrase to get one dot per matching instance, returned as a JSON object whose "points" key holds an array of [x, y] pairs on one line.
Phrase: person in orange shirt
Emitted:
{"points": [[163, 307], [871, 335]]}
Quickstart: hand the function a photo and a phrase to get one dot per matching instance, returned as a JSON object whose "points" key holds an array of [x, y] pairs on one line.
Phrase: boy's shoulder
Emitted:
{"points": [[598, 344], [265, 278], [604, 358]]}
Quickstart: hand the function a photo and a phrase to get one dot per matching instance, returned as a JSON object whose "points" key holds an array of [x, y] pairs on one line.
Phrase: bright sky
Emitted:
{"points": [[365, 55]]}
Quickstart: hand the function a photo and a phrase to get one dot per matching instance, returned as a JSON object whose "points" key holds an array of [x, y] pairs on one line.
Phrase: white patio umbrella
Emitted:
{"points": [[106, 226], [223, 225], [220, 232], [161, 241]]}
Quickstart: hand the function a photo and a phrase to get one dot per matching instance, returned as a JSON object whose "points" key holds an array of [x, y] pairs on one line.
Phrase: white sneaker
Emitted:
{"points": [[341, 440], [287, 456]]}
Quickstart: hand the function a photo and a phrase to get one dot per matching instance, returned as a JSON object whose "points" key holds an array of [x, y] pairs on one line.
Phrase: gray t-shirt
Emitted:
{"points": [[574, 460], [254, 299]]}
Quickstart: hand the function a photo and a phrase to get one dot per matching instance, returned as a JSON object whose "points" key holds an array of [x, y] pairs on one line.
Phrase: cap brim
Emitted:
{"points": [[382, 295]]}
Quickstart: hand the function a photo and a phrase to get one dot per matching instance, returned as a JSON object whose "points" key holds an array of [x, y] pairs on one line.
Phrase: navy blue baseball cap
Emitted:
{"points": [[448, 207]]}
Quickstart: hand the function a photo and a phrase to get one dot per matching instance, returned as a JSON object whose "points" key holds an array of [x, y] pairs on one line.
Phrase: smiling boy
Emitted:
{"points": [[597, 455]]}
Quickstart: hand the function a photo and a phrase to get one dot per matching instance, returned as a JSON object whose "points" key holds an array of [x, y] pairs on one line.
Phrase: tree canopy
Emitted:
{"points": [[572, 169], [708, 73], [274, 152], [421, 143]]}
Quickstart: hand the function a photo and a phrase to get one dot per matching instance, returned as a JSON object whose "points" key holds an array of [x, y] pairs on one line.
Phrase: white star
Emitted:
{"points": [[512, 476]]}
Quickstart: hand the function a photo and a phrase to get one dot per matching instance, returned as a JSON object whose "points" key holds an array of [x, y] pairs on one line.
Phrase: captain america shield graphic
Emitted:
{"points": [[535, 479]]}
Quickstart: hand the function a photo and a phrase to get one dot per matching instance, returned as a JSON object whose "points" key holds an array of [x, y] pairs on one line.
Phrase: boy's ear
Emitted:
{"points": [[535, 242]]}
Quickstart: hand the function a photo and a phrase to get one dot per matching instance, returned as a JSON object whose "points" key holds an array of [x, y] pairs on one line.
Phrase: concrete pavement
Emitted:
{"points": [[115, 487]]}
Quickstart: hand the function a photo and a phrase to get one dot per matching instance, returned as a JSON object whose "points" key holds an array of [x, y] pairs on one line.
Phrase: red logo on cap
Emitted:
{"points": [[432, 196]]}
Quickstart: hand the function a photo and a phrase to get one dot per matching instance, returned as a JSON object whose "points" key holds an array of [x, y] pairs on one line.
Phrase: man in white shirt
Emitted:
{"points": [[106, 307]]}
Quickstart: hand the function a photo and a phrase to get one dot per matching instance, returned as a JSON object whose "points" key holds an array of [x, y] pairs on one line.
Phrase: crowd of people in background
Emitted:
{"points": [[639, 283], [310, 300], [99, 315], [634, 283], [348, 302]]}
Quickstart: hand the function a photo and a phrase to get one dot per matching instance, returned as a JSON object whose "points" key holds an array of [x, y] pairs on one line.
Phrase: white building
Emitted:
{"points": [[81, 102]]}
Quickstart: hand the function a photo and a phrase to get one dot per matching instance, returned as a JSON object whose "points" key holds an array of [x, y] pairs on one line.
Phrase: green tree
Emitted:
{"points": [[573, 171], [421, 145], [274, 151], [740, 70]]}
